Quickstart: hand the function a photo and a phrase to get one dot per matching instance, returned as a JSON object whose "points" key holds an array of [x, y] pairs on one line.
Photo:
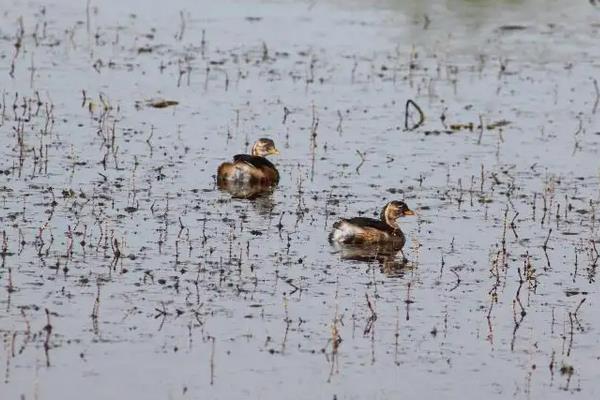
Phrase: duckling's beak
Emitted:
{"points": [[408, 213], [274, 151]]}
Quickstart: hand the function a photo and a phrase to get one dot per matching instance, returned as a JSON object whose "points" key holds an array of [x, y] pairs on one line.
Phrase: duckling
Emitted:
{"points": [[365, 231], [251, 168]]}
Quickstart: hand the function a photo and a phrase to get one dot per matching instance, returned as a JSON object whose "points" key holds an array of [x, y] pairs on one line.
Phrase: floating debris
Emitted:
{"points": [[512, 28], [160, 103]]}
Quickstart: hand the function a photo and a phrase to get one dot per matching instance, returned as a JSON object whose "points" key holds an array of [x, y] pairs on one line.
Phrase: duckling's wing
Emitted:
{"points": [[255, 161], [368, 223]]}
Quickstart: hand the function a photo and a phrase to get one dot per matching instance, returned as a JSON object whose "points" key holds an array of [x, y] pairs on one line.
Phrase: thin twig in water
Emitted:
{"points": [[480, 129], [545, 246], [291, 283], [406, 115], [339, 128], [362, 161], [48, 329], [597, 96], [457, 280], [372, 317], [212, 361], [579, 306]]}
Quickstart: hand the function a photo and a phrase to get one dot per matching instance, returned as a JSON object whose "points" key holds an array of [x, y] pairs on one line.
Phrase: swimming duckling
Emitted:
{"points": [[251, 168], [364, 231]]}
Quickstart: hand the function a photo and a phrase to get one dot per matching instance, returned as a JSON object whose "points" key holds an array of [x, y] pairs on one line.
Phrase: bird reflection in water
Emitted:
{"points": [[392, 262], [246, 191], [261, 195]]}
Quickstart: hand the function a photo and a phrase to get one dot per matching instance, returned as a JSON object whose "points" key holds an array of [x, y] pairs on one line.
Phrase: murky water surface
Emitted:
{"points": [[125, 272]]}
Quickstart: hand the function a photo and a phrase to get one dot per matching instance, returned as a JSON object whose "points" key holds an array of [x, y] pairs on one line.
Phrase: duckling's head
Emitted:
{"points": [[264, 147], [394, 210]]}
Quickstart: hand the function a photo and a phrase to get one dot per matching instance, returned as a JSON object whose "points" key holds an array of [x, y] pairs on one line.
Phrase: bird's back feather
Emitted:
{"points": [[362, 230]]}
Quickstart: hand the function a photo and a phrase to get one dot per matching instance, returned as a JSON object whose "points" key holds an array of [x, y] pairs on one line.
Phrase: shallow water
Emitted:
{"points": [[158, 285]]}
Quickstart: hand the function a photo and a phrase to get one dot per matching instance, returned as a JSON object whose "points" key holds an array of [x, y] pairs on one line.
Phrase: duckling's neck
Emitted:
{"points": [[392, 223], [387, 218], [255, 152]]}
